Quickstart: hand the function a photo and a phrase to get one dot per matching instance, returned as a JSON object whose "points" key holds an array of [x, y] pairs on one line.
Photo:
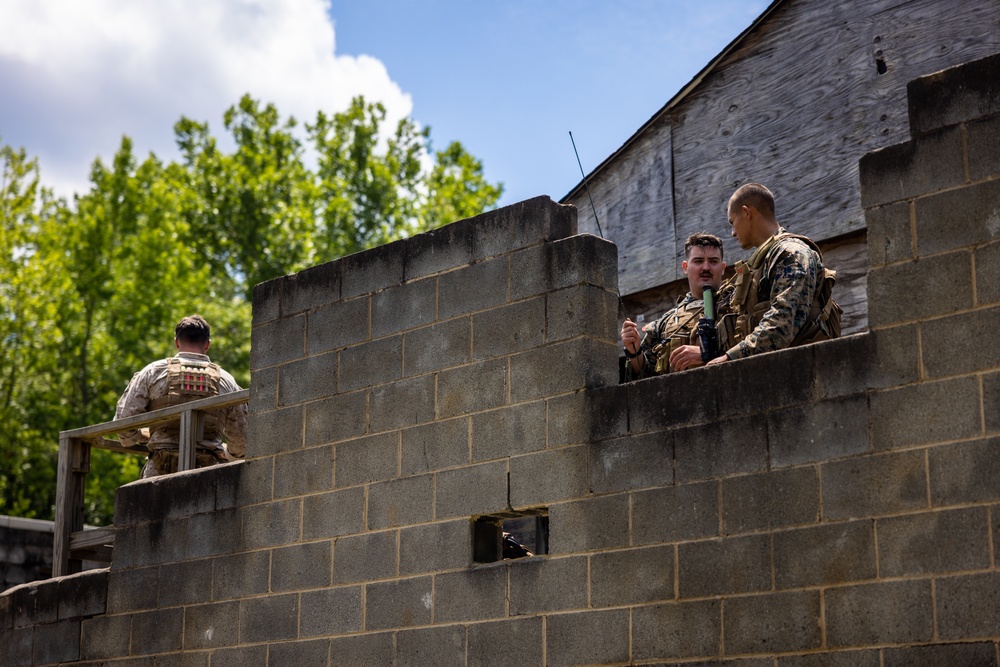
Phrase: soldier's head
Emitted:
{"points": [[703, 263], [751, 215], [193, 334]]}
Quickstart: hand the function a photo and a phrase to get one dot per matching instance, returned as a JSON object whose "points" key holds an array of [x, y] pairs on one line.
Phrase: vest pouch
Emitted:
{"points": [[664, 349]]}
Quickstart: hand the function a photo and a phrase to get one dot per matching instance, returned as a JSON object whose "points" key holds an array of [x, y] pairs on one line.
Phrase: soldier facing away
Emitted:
{"points": [[187, 376]]}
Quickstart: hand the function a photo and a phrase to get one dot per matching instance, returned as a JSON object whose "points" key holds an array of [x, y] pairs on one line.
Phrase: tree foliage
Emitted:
{"points": [[90, 289]]}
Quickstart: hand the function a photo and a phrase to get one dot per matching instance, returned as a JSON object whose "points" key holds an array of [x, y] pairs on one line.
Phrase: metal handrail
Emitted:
{"points": [[74, 463]]}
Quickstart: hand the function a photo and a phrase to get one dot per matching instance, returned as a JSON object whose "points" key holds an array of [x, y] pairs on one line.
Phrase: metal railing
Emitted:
{"points": [[71, 543]]}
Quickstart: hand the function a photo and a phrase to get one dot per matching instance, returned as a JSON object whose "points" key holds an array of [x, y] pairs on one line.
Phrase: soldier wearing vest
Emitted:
{"points": [[780, 297], [185, 377], [670, 343]]}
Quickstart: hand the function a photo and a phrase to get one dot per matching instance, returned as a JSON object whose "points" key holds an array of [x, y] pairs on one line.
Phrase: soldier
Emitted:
{"points": [[185, 377], [780, 297], [669, 343]]}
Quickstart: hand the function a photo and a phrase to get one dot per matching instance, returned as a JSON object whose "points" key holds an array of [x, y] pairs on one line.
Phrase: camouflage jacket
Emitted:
{"points": [[679, 321], [151, 383], [791, 277]]}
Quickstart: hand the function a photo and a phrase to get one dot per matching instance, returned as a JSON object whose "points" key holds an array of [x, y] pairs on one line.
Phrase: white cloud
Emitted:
{"points": [[77, 74]]}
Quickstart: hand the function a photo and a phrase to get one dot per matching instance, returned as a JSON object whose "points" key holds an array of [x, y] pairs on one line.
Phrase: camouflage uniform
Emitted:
{"points": [[678, 323], [792, 275], [150, 384]]}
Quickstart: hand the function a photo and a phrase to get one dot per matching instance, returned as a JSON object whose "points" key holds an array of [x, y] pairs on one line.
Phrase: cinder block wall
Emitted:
{"points": [[837, 504]]}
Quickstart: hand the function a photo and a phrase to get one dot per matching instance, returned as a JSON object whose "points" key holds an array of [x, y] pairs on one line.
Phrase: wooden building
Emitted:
{"points": [[793, 103]]}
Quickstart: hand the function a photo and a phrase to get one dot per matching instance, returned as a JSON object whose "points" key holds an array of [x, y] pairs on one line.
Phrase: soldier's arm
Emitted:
{"points": [[236, 419], [134, 401]]}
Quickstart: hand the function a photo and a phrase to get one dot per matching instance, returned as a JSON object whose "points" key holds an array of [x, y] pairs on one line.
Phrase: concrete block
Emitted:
{"points": [[874, 485], [312, 652], [724, 567], [82, 594], [631, 463], [56, 643], [677, 630], [475, 594], [578, 260], [365, 557], [400, 404], [525, 223], [925, 413], [720, 448], [266, 301], [333, 514], [372, 270], [442, 647], [870, 658], [508, 329], [539, 585], [478, 489], [271, 524], [159, 542], [968, 472], [264, 389], [818, 431], [100, 637], [987, 260], [311, 288], [934, 542], [187, 659], [330, 611], [435, 547], [256, 481], [946, 353], [670, 400], [188, 582], [983, 146], [944, 283], [873, 360], [582, 363], [212, 625], [586, 525], [243, 656], [518, 429], [277, 342], [472, 388], [402, 603], [524, 633], [302, 472], [228, 477], [338, 418], [932, 162], [958, 218], [308, 379], [685, 512], [438, 250], [371, 459], [983, 653], [770, 500], [159, 631], [454, 297], [582, 310], [241, 575], [301, 566], [748, 387], [583, 416], [890, 238], [372, 363], [546, 477], [897, 612], [128, 591], [401, 502], [270, 618], [430, 447], [991, 397], [968, 606], [632, 576], [772, 623], [823, 555], [275, 431], [439, 346], [362, 650], [34, 603], [338, 325], [954, 95], [589, 637], [404, 307]]}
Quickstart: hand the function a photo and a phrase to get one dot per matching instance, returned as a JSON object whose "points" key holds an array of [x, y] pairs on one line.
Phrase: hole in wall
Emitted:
{"points": [[510, 535]]}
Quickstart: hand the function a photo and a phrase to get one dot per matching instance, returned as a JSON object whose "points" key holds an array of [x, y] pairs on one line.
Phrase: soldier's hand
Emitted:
{"points": [[718, 360], [685, 357], [630, 336]]}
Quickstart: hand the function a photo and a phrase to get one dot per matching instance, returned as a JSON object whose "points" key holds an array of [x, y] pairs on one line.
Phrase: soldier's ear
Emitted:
{"points": [[177, 343]]}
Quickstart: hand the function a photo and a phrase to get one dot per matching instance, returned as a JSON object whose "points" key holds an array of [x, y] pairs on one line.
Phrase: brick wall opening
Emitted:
{"points": [[510, 535]]}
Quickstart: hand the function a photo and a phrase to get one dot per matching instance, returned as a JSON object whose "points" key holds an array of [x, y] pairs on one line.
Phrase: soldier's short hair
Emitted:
{"points": [[703, 239], [755, 195], [193, 329]]}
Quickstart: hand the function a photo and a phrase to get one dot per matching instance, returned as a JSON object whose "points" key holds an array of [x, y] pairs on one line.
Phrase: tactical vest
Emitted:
{"points": [[678, 330], [748, 296], [189, 380]]}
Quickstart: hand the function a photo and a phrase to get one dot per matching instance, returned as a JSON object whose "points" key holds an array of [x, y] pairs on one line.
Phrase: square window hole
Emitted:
{"points": [[510, 535]]}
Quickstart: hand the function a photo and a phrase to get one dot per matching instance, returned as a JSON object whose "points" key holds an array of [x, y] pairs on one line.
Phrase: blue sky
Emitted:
{"points": [[509, 79]]}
